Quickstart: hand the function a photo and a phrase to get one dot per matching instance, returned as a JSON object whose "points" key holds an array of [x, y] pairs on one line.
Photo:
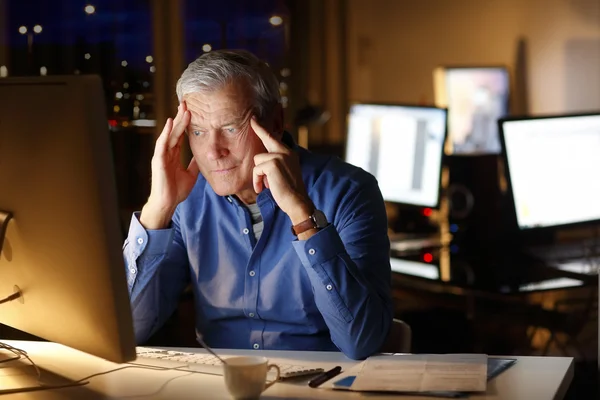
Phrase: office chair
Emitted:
{"points": [[399, 338]]}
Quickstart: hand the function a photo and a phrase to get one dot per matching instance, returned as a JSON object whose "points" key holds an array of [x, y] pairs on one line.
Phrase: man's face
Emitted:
{"points": [[222, 141]]}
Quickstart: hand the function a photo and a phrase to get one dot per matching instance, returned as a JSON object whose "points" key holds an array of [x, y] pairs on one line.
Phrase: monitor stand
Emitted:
{"points": [[5, 216]]}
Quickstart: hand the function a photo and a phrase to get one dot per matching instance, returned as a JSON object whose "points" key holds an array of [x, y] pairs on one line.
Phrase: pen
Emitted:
{"points": [[324, 377]]}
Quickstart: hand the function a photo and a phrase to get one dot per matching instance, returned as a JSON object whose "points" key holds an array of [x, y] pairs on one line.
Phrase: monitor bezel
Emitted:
{"points": [[509, 100], [509, 185], [443, 155]]}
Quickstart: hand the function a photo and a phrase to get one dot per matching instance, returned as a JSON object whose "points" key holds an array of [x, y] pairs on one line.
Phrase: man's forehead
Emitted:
{"points": [[218, 99], [220, 115]]}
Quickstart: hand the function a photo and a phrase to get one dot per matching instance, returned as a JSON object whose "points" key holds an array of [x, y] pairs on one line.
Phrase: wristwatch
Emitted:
{"points": [[317, 220]]}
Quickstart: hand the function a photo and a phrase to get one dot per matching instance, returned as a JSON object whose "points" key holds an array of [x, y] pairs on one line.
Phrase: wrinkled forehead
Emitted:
{"points": [[230, 103]]}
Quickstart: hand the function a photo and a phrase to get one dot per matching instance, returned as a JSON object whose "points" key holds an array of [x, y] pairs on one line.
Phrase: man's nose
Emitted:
{"points": [[216, 147]]}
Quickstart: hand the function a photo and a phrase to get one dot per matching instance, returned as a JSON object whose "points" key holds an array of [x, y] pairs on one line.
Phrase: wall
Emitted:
{"points": [[393, 46]]}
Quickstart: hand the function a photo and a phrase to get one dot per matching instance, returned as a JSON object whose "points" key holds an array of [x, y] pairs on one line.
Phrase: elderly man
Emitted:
{"points": [[284, 249]]}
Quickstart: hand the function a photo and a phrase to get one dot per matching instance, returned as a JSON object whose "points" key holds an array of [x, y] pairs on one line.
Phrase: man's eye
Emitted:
{"points": [[230, 130], [197, 133]]}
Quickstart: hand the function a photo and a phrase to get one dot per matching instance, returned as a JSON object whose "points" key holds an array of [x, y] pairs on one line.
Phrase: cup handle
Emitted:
{"points": [[269, 384]]}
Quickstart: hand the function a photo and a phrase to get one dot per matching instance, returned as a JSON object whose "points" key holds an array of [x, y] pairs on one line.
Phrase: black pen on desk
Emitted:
{"points": [[324, 377]]}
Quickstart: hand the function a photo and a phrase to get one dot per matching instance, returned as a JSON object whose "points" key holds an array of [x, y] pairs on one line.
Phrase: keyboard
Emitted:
{"points": [[209, 364]]}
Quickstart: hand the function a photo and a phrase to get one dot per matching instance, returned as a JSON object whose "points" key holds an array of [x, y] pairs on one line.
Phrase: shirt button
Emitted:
{"points": [[311, 252], [329, 287], [132, 270], [140, 240], [245, 231], [256, 346], [251, 315], [252, 273]]}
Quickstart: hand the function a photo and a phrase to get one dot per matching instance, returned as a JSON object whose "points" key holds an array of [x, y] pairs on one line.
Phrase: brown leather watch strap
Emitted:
{"points": [[304, 226]]}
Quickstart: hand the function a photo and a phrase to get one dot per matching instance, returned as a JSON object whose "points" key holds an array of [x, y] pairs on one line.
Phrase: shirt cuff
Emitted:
{"points": [[320, 247], [150, 242]]}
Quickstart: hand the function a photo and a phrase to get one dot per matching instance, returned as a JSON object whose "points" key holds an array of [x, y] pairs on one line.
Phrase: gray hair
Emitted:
{"points": [[212, 71]]}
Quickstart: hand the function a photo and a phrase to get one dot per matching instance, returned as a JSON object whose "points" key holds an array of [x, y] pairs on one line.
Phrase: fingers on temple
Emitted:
{"points": [[271, 144], [164, 136], [179, 127]]}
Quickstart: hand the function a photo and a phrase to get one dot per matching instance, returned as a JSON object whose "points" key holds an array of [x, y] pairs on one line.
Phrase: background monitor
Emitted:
{"points": [[415, 268], [476, 98], [552, 166], [402, 146], [62, 247]]}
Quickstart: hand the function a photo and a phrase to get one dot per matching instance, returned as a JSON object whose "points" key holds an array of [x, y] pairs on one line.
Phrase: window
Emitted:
{"points": [[260, 26], [114, 39], [111, 38]]}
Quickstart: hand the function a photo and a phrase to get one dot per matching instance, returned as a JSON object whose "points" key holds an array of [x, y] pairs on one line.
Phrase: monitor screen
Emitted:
{"points": [[62, 247], [476, 98], [552, 167], [402, 146]]}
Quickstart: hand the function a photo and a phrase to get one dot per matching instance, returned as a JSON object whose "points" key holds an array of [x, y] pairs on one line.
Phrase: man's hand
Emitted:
{"points": [[171, 182], [279, 171]]}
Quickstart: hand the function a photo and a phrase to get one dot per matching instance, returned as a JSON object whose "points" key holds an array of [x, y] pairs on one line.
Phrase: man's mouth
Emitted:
{"points": [[223, 170]]}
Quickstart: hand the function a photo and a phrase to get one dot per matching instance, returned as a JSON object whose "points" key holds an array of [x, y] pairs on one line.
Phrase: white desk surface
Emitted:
{"points": [[530, 378]]}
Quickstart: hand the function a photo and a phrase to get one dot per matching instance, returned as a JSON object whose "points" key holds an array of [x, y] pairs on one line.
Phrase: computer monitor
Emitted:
{"points": [[402, 146], [62, 246], [552, 166], [476, 97]]}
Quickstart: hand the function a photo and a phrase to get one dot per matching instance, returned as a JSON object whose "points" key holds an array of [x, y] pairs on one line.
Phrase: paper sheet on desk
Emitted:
{"points": [[421, 373]]}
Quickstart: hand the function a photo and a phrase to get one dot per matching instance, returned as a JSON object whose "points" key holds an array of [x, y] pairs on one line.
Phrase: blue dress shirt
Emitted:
{"points": [[329, 292]]}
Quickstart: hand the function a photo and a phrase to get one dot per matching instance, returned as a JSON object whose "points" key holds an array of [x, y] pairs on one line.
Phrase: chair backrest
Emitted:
{"points": [[399, 338]]}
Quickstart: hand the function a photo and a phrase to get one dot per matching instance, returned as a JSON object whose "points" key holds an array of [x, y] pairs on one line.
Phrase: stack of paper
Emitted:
{"points": [[417, 373]]}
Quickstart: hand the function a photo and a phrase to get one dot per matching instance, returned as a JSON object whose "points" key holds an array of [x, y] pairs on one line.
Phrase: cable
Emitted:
{"points": [[17, 356], [130, 365], [10, 359], [203, 344], [157, 391], [12, 297], [22, 353], [19, 353]]}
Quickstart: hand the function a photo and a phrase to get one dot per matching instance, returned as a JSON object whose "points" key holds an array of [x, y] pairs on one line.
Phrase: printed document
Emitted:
{"points": [[423, 373]]}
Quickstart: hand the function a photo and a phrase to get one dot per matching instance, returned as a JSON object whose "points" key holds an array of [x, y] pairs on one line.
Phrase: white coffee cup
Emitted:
{"points": [[246, 377]]}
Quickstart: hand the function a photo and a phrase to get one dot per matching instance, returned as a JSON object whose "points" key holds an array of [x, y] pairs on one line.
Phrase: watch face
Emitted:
{"points": [[320, 219]]}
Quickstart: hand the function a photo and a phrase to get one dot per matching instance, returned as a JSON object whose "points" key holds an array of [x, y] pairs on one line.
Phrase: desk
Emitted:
{"points": [[536, 378]]}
